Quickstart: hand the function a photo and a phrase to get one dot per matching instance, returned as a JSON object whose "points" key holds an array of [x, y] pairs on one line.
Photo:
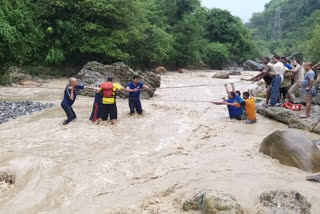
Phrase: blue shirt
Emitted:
{"points": [[234, 111], [288, 66], [240, 100], [135, 95], [67, 93], [309, 75]]}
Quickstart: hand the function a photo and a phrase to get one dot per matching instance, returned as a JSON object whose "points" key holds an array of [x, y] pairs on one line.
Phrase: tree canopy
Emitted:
{"points": [[142, 33]]}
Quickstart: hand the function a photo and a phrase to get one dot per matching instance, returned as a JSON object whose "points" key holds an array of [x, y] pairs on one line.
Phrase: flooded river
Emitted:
{"points": [[142, 165]]}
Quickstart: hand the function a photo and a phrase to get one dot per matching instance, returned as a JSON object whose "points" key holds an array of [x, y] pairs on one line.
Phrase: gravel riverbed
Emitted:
{"points": [[13, 109]]}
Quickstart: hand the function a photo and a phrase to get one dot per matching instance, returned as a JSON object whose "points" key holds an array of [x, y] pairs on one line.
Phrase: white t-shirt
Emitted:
{"points": [[279, 67]]}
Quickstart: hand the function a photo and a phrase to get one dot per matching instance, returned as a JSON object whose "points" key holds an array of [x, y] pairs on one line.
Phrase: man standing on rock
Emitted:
{"points": [[70, 94], [298, 76], [268, 73], [134, 89], [109, 106], [307, 88], [277, 80]]}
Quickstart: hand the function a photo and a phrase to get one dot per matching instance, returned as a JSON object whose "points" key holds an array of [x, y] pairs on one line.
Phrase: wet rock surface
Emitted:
{"points": [[282, 202], [12, 110], [213, 202], [95, 73], [291, 118], [314, 178], [292, 149]]}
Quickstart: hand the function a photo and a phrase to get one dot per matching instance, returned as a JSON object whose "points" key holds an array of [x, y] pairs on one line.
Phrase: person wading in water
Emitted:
{"points": [[70, 95], [134, 89], [109, 106]]}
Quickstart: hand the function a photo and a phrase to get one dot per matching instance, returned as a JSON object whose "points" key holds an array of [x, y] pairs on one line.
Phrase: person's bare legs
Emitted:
{"points": [[113, 122], [268, 95], [308, 109]]}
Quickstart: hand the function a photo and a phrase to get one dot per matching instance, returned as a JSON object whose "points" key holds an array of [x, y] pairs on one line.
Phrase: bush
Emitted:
{"points": [[217, 54]]}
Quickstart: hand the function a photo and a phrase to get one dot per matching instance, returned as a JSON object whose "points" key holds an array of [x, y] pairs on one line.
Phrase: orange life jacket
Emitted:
{"points": [[107, 89]]}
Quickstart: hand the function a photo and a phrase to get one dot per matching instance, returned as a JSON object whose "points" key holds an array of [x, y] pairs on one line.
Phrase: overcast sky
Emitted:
{"points": [[241, 8]]}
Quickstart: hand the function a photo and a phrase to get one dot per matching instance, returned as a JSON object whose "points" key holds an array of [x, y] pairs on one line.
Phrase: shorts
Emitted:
{"points": [[250, 121], [109, 109], [307, 98]]}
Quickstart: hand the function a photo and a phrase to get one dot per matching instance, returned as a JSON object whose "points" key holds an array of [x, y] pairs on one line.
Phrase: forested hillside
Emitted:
{"points": [[286, 26], [142, 33]]}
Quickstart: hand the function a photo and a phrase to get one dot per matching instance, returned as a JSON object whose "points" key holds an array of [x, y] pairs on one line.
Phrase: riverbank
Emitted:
{"points": [[148, 164]]}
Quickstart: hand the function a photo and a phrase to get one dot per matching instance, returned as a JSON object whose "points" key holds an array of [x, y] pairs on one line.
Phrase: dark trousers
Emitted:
{"points": [[135, 105], [275, 90], [69, 112], [283, 93]]}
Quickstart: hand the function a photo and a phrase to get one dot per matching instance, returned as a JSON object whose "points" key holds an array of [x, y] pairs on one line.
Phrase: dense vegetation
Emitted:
{"points": [[142, 33], [287, 26]]}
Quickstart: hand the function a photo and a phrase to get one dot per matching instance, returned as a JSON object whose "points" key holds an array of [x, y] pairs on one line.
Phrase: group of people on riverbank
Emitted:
{"points": [[106, 93], [283, 80]]}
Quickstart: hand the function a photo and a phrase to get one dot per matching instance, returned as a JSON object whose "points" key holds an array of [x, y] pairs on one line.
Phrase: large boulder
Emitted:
{"points": [[160, 70], [17, 75], [282, 202], [291, 118], [95, 73], [213, 202], [292, 149], [231, 65], [221, 75], [250, 65]]}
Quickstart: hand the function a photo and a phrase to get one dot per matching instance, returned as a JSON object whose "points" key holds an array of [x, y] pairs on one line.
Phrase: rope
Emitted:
{"points": [[161, 88]]}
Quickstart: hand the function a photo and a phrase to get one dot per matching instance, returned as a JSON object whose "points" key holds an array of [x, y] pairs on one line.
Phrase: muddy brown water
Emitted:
{"points": [[148, 164]]}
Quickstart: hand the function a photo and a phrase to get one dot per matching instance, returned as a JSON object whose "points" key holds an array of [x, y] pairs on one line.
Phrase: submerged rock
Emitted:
{"points": [[314, 178], [250, 65], [213, 202], [8, 177], [95, 73], [234, 73], [221, 75], [282, 202], [30, 83], [182, 71], [292, 149]]}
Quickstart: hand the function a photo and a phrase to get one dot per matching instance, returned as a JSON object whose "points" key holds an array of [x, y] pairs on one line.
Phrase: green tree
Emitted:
{"points": [[313, 47], [222, 27], [20, 35]]}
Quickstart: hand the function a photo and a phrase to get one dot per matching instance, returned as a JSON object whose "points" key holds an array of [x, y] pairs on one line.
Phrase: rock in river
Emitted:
{"points": [[250, 65], [292, 149], [282, 202], [221, 75], [314, 178], [95, 73], [213, 202]]}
